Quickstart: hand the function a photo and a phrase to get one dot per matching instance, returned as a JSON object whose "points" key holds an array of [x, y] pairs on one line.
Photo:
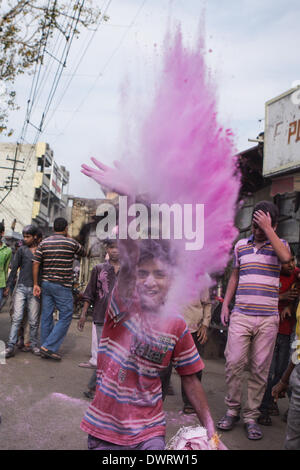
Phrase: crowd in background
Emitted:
{"points": [[264, 282]]}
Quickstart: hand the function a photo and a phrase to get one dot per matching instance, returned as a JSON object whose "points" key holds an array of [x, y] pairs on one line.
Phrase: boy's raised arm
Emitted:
{"points": [[120, 181], [264, 221]]}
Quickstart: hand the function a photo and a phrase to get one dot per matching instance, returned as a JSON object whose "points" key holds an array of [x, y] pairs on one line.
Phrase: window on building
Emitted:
{"points": [[44, 199], [40, 164], [37, 194]]}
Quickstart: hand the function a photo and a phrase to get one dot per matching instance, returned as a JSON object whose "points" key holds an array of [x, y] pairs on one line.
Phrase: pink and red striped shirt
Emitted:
{"points": [[135, 347]]}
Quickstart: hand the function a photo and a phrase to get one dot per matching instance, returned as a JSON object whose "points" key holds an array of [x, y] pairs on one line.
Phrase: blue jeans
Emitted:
{"points": [[24, 297], [55, 295]]}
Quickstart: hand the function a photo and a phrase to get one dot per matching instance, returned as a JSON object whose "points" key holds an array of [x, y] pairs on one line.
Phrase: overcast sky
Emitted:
{"points": [[254, 55]]}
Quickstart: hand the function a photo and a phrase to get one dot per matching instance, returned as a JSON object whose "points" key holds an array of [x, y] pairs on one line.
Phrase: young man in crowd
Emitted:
{"points": [[24, 332], [291, 378], [5, 257], [289, 278], [23, 296], [138, 342], [97, 293], [254, 320], [56, 253]]}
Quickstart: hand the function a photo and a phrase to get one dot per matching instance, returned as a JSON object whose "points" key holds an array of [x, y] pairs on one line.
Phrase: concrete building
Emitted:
{"points": [[83, 217], [33, 188], [271, 169]]}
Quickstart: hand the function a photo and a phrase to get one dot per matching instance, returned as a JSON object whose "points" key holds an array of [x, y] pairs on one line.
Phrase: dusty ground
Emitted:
{"points": [[42, 403]]}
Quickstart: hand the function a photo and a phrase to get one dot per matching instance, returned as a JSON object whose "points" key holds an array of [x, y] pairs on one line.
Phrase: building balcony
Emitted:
{"points": [[39, 210]]}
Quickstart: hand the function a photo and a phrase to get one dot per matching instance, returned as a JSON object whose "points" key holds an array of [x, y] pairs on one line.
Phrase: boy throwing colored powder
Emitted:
{"points": [[138, 342]]}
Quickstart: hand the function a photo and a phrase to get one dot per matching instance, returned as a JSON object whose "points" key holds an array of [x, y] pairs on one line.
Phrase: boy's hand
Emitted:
{"points": [[263, 220], [278, 391], [225, 315], [115, 179], [202, 334], [6, 292], [81, 322], [286, 312], [289, 295], [37, 291]]}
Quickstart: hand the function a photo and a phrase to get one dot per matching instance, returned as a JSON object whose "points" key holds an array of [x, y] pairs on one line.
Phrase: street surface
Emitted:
{"points": [[42, 401]]}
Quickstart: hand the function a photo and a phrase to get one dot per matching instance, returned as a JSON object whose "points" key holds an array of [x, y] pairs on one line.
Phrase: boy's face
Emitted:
{"points": [[288, 268], [28, 239], [153, 283], [1, 235], [113, 252]]}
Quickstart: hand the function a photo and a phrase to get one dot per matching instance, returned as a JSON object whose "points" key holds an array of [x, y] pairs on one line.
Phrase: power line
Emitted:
{"points": [[79, 62], [62, 63], [51, 61], [105, 65], [69, 36]]}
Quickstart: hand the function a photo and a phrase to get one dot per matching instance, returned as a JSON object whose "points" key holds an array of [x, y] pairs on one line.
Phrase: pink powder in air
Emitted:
{"points": [[186, 156]]}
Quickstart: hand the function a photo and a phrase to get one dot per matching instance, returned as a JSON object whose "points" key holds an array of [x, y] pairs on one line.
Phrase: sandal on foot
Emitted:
{"points": [[253, 431], [51, 354], [87, 365], [227, 422], [264, 419], [188, 410]]}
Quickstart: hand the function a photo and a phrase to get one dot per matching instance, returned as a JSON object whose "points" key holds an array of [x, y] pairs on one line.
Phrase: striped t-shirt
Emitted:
{"points": [[56, 253], [135, 347], [259, 273]]}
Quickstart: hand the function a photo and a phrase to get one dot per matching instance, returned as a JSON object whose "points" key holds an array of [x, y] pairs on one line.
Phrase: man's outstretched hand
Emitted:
{"points": [[114, 179]]}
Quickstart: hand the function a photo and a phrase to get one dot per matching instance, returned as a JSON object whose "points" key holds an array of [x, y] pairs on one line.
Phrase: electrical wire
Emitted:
{"points": [[102, 71], [78, 63], [56, 80], [70, 36]]}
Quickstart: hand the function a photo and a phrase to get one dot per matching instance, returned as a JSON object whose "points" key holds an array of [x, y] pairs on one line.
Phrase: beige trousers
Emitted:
{"points": [[251, 339]]}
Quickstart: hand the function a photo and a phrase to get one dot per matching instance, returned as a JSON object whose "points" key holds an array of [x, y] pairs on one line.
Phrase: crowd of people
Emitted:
{"points": [[133, 352], [40, 267]]}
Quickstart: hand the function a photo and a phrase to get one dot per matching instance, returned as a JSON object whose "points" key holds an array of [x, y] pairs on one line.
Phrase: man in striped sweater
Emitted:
{"points": [[56, 255], [254, 319]]}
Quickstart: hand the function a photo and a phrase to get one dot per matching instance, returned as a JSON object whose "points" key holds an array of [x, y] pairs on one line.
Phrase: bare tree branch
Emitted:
{"points": [[26, 28]]}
